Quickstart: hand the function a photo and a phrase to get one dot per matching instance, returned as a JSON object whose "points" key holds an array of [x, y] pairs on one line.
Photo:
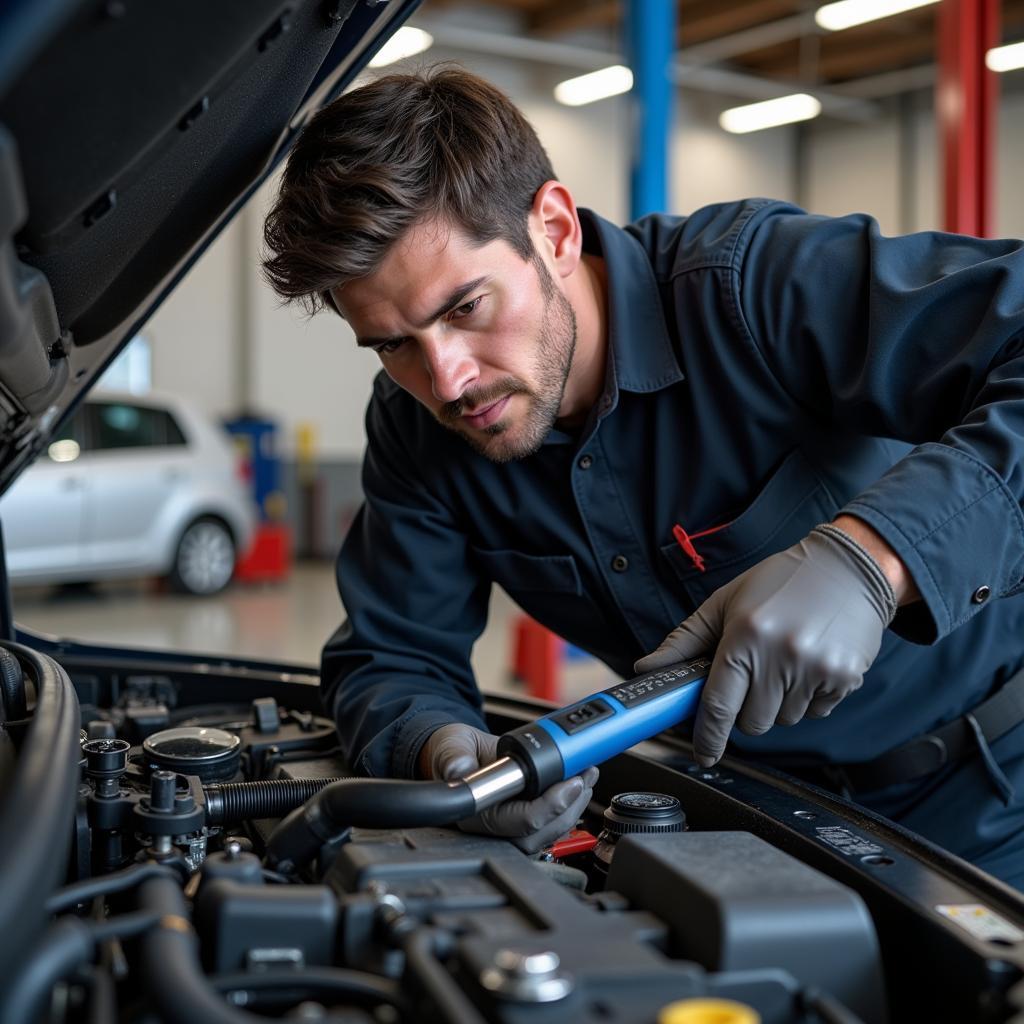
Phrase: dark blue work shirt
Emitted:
{"points": [[767, 369]]}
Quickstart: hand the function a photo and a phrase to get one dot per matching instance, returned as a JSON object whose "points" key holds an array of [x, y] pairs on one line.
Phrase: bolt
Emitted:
{"points": [[233, 850], [527, 964], [526, 977], [162, 787], [107, 788]]}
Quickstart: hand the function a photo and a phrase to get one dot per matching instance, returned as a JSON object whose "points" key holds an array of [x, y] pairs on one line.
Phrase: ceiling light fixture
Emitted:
{"points": [[406, 42], [847, 13], [597, 85], [1006, 58], [770, 113]]}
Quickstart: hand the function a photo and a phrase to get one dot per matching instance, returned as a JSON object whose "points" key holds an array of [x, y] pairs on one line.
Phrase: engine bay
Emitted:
{"points": [[139, 821]]}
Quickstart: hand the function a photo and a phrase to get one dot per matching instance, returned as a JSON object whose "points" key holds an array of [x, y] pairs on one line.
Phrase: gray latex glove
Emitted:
{"points": [[794, 636], [454, 751]]}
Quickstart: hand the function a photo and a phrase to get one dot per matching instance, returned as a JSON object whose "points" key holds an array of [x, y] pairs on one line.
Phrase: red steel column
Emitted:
{"points": [[967, 95]]}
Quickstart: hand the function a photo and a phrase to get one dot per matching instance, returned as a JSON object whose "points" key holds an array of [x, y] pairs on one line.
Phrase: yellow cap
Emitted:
{"points": [[708, 1011]]}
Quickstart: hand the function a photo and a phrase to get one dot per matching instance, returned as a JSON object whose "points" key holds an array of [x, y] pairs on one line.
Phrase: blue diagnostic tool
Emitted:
{"points": [[567, 741]]}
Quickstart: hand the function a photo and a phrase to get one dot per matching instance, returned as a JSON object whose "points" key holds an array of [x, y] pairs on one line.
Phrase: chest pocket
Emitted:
{"points": [[790, 504], [521, 574]]}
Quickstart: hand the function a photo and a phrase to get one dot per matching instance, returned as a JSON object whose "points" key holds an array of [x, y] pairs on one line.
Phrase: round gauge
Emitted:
{"points": [[644, 812], [212, 754]]}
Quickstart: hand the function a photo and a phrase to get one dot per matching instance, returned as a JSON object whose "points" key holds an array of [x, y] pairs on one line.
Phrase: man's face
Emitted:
{"points": [[481, 337]]}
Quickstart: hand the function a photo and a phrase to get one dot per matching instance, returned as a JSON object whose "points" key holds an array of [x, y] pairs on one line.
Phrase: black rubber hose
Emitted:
{"points": [[364, 803], [65, 946], [320, 983], [37, 811], [12, 684], [117, 881], [273, 798], [179, 992], [103, 1007], [68, 944]]}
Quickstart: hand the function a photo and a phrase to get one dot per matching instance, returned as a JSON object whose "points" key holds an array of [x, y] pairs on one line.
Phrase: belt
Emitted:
{"points": [[949, 744]]}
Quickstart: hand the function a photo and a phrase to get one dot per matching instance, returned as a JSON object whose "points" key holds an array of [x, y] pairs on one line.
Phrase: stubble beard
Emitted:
{"points": [[508, 440]]}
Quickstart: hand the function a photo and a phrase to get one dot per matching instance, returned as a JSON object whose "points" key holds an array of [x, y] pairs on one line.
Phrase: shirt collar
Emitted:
{"points": [[640, 353]]}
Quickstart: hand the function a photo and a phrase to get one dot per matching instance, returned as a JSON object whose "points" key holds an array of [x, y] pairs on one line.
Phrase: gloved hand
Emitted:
{"points": [[454, 751], [794, 636]]}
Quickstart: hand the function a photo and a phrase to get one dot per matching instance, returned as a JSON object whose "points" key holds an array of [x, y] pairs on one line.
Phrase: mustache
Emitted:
{"points": [[480, 397]]}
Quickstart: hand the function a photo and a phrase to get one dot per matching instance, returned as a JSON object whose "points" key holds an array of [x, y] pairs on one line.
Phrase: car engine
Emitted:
{"points": [[144, 795]]}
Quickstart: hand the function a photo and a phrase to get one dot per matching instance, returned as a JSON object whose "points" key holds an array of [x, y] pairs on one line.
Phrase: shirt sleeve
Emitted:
{"points": [[399, 666], [917, 338]]}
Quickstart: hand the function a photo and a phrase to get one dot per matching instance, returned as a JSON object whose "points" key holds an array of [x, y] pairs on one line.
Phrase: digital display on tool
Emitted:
{"points": [[565, 742]]}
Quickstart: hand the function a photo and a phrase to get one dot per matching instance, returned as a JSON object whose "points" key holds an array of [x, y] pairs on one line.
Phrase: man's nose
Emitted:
{"points": [[451, 366]]}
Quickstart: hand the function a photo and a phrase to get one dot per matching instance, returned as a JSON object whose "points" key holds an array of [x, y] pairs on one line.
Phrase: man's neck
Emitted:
{"points": [[589, 364]]}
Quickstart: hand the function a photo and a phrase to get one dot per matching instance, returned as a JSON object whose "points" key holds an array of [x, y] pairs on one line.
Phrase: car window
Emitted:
{"points": [[70, 429], [121, 425]]}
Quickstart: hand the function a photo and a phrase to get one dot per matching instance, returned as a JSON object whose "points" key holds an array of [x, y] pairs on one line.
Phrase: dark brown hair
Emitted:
{"points": [[441, 144]]}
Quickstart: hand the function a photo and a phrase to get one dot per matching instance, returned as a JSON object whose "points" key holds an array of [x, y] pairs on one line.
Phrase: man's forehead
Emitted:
{"points": [[420, 270]]}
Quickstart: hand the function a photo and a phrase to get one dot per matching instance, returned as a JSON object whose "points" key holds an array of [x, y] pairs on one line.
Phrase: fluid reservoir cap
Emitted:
{"points": [[212, 754], [106, 757], [708, 1011], [643, 812]]}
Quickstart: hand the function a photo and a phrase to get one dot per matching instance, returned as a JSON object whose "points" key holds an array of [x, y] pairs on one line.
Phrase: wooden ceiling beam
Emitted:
{"points": [[572, 15], [838, 63], [700, 22]]}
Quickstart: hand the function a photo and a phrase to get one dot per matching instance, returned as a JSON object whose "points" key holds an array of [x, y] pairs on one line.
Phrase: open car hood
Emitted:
{"points": [[131, 131]]}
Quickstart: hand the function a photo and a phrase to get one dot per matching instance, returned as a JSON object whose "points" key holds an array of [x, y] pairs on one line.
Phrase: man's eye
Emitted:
{"points": [[389, 346], [466, 308]]}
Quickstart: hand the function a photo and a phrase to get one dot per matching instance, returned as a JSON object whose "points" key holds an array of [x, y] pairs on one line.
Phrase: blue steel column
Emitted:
{"points": [[650, 37]]}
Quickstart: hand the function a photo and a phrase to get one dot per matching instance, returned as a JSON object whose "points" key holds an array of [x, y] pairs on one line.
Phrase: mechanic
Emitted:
{"points": [[705, 419]]}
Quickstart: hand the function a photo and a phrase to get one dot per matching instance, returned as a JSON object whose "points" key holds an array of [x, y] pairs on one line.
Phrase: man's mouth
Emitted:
{"points": [[487, 414]]}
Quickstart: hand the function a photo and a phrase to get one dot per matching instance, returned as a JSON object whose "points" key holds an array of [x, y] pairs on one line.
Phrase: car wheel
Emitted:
{"points": [[205, 560]]}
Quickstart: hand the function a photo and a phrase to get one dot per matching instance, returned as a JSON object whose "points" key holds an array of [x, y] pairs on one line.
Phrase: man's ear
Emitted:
{"points": [[554, 226]]}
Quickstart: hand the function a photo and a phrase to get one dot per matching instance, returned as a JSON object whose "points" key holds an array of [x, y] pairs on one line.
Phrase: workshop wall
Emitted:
{"points": [[856, 167], [194, 336]]}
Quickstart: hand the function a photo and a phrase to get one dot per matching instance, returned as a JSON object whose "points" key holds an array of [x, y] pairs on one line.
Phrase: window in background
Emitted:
{"points": [[132, 370], [118, 425]]}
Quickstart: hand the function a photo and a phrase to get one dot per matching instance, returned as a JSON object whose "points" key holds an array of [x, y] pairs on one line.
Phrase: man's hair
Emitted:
{"points": [[439, 145]]}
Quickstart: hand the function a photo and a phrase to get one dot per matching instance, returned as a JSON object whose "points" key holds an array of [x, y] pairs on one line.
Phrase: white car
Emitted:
{"points": [[130, 486]]}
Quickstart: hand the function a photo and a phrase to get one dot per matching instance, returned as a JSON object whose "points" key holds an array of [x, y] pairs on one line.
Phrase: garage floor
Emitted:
{"points": [[282, 622]]}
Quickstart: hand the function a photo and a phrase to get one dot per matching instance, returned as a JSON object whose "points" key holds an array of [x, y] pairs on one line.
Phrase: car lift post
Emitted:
{"points": [[651, 36], [966, 98]]}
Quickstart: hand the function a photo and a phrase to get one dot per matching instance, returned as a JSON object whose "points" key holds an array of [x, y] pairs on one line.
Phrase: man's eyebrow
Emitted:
{"points": [[454, 300]]}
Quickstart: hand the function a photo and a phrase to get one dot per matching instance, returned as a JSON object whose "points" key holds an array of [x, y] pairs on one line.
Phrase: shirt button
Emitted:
{"points": [[980, 596], [586, 461], [620, 563]]}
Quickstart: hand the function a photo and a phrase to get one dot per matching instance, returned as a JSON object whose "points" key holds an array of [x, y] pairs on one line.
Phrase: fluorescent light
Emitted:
{"points": [[598, 85], [1006, 58], [770, 113], [406, 42], [847, 13]]}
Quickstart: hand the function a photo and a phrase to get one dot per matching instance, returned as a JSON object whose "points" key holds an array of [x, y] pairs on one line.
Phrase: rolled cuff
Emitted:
{"points": [[957, 528], [393, 752]]}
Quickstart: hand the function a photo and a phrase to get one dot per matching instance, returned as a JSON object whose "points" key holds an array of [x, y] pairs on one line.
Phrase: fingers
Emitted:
{"points": [[558, 826], [794, 707], [821, 706], [534, 824], [458, 750], [692, 637], [720, 703], [453, 753], [456, 767]]}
